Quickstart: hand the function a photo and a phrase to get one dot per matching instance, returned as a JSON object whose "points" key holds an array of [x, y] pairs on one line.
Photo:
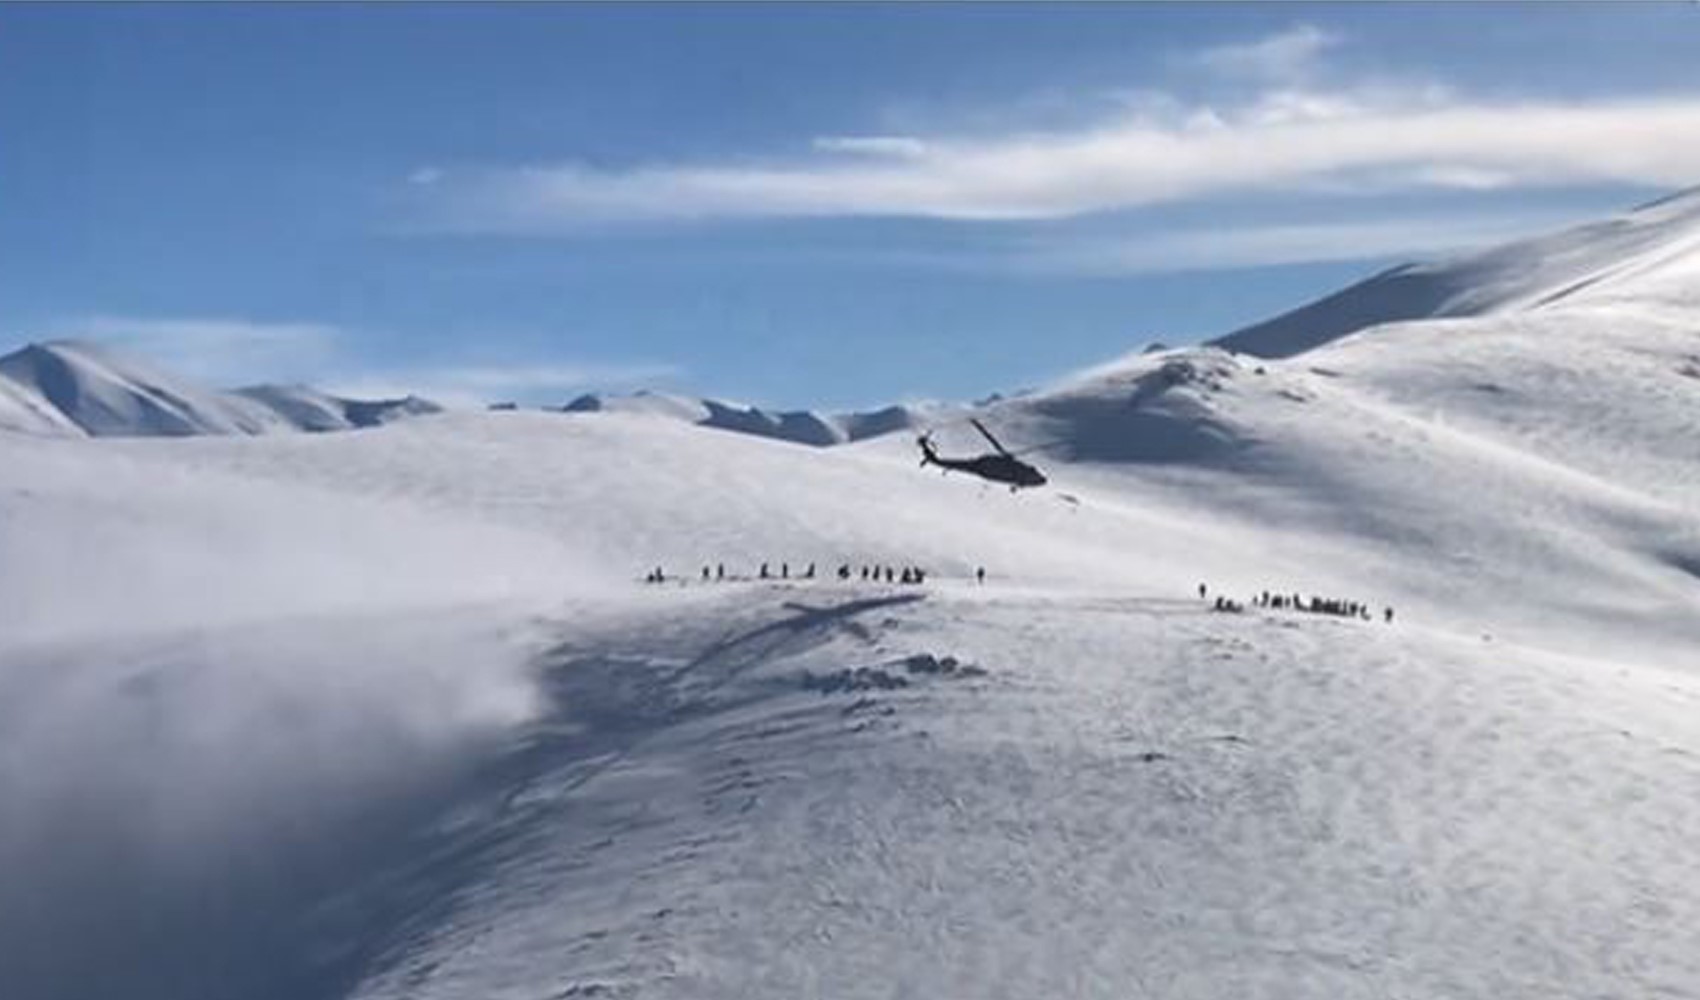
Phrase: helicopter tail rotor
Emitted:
{"points": [[928, 455]]}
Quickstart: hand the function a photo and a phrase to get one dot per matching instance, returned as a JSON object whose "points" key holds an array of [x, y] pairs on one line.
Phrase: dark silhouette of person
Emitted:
{"points": [[720, 571], [785, 571], [764, 571], [809, 574], [705, 574], [980, 575], [1202, 591], [1389, 614]]}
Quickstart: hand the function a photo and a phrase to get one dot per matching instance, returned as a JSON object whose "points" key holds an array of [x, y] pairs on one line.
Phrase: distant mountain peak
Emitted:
{"points": [[70, 386]]}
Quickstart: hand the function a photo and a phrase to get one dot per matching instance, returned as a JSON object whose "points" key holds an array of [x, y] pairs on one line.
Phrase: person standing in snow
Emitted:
{"points": [[980, 575]]}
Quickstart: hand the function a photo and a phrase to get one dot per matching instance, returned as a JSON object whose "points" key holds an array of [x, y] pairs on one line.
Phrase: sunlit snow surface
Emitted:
{"points": [[390, 714]]}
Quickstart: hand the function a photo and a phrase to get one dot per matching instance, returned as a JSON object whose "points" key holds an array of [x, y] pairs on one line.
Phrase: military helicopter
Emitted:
{"points": [[1000, 466]]}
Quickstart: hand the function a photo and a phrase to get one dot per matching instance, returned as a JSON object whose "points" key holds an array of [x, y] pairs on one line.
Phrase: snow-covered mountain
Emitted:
{"points": [[308, 409], [107, 395], [1650, 255], [73, 387], [390, 715], [799, 426]]}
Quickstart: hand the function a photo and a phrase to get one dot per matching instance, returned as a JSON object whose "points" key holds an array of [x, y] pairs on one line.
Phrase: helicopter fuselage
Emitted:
{"points": [[997, 468]]}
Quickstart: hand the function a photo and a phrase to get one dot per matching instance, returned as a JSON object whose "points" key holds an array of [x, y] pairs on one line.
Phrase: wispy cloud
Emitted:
{"points": [[871, 145], [1285, 57], [1287, 132], [225, 352], [1238, 246], [1290, 141], [219, 350]]}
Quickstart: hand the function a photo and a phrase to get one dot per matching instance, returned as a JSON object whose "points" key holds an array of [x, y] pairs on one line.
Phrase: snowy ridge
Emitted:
{"points": [[798, 426], [308, 409], [1647, 255], [79, 388]]}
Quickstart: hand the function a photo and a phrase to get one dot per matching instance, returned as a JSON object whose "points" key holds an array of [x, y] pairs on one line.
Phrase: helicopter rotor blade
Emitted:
{"points": [[982, 429]]}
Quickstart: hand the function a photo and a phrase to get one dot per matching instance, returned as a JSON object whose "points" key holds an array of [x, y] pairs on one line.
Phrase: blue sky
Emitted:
{"points": [[793, 205]]}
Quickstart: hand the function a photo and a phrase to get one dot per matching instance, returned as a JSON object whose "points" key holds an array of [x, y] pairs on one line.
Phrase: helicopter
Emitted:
{"points": [[1000, 466]]}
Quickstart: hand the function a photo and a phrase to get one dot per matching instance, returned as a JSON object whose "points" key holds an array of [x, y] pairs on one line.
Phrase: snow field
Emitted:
{"points": [[1138, 797]]}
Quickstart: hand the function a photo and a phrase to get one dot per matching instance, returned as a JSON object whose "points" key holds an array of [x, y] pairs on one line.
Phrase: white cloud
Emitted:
{"points": [[218, 350], [1369, 139], [1286, 56]]}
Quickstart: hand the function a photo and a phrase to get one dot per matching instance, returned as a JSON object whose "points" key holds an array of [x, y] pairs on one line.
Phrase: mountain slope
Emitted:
{"points": [[1648, 254], [23, 409], [778, 789]]}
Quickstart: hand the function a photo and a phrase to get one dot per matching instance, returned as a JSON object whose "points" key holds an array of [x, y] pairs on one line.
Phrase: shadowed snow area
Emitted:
{"points": [[217, 699], [390, 714]]}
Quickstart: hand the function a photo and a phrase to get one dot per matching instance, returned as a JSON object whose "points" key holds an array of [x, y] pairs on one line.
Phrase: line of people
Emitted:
{"points": [[887, 574], [1294, 602], [867, 573]]}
